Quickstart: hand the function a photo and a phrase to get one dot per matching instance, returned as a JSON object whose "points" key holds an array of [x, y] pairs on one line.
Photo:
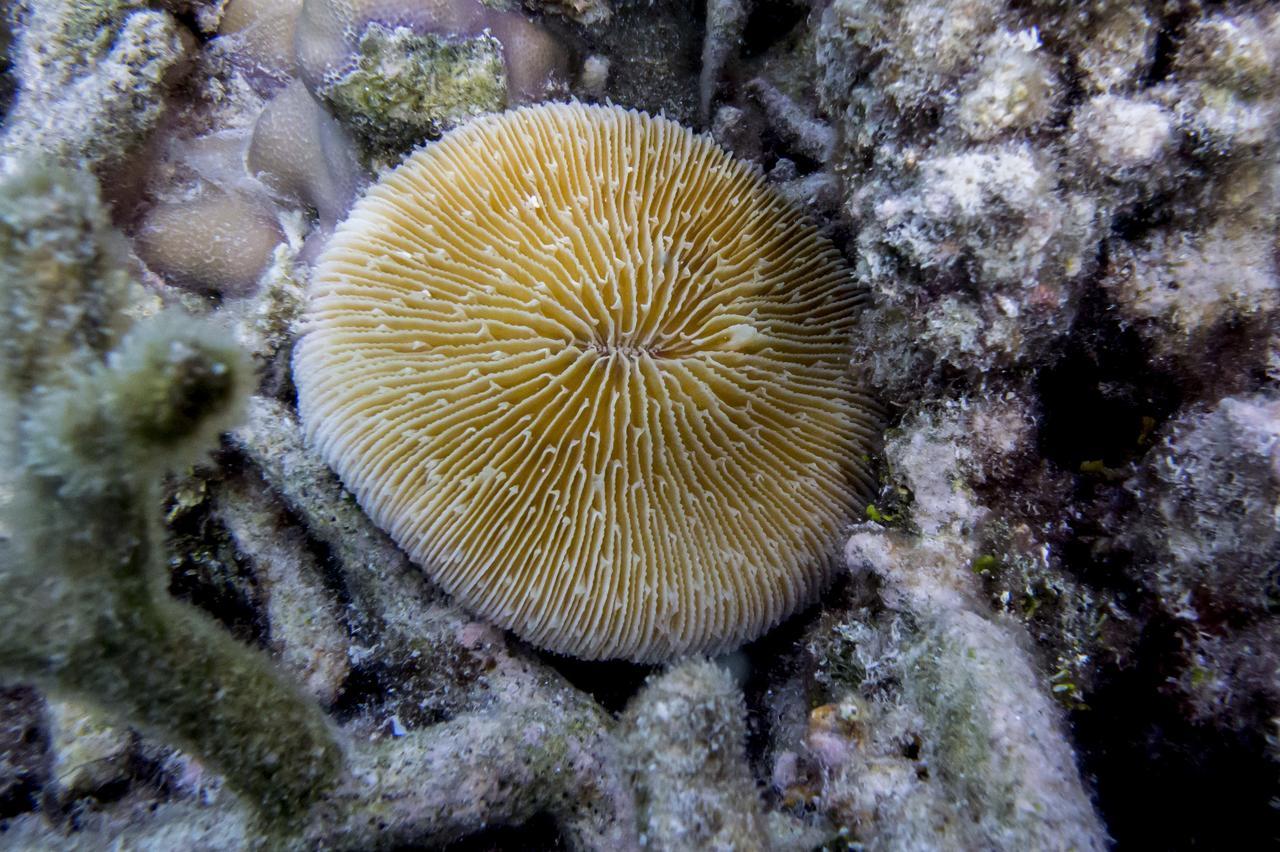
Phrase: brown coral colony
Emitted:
{"points": [[592, 374]]}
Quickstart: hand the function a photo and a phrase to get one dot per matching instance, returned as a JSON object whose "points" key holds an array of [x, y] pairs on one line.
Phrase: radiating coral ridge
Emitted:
{"points": [[592, 374]]}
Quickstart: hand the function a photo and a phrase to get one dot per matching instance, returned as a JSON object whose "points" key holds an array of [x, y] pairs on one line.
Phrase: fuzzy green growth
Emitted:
{"points": [[1099, 469], [990, 736], [161, 399], [62, 287], [882, 518], [407, 88], [90, 25], [83, 611], [685, 733], [1064, 617], [186, 387], [83, 602], [944, 680], [985, 564]]}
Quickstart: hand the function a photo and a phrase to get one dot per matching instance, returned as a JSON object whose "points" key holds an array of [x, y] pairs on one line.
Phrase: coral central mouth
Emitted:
{"points": [[607, 350]]}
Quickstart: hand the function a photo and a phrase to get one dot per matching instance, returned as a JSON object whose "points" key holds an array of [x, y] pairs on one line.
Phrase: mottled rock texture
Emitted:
{"points": [[1059, 627]]}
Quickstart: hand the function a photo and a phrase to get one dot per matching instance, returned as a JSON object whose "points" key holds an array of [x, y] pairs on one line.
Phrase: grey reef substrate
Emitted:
{"points": [[1054, 625]]}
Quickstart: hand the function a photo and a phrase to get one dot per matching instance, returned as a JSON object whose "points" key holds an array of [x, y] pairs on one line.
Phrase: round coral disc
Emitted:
{"points": [[592, 374]]}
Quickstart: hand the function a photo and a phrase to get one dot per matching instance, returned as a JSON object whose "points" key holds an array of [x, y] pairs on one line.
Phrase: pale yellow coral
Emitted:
{"points": [[593, 375]]}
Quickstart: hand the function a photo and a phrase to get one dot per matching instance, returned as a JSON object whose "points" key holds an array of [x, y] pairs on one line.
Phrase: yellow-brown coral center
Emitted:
{"points": [[592, 374]]}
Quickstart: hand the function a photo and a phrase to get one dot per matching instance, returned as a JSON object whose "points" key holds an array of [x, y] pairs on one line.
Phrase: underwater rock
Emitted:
{"points": [[92, 81], [237, 238], [399, 75], [685, 734], [1012, 89], [1211, 550], [302, 153], [89, 753], [306, 631], [406, 88], [1064, 217], [948, 739]]}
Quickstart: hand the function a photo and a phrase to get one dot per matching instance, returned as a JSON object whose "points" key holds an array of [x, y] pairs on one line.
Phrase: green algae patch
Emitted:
{"points": [[407, 88]]}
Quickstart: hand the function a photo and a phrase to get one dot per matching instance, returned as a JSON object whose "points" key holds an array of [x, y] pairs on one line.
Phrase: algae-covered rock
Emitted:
{"points": [[63, 291], [939, 731], [398, 74], [408, 87], [685, 736], [92, 80]]}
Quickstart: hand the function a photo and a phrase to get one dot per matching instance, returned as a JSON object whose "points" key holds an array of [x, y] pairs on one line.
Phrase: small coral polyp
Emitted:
{"points": [[593, 375]]}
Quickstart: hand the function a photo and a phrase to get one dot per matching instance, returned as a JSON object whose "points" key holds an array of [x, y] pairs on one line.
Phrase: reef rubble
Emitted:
{"points": [[1060, 615]]}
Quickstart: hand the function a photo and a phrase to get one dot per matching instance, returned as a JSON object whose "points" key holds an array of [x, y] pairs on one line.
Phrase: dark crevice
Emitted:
{"points": [[1132, 224], [1168, 39], [321, 554], [775, 659], [19, 797], [1161, 780], [207, 571], [24, 751], [774, 147], [9, 82], [538, 834], [363, 690], [1102, 402], [768, 24], [1101, 396], [611, 683]]}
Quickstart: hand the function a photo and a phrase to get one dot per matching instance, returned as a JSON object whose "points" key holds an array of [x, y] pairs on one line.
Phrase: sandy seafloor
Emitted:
{"points": [[1051, 622]]}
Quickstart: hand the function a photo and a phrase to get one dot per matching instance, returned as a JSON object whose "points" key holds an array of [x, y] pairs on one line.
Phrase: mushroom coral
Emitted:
{"points": [[593, 375]]}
